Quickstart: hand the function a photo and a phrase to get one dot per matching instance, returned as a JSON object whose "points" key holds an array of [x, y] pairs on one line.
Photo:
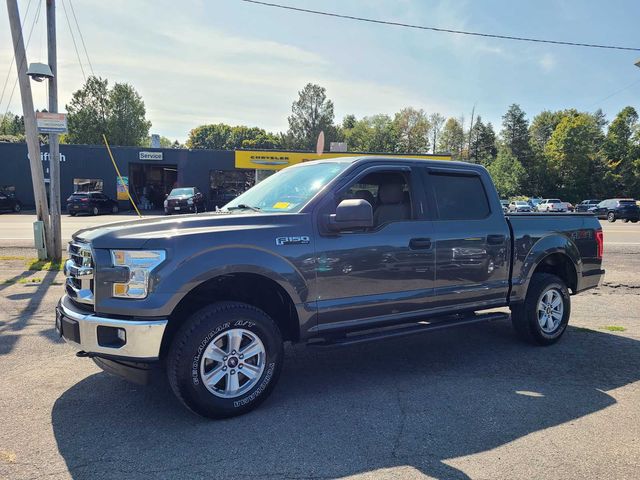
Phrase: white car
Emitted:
{"points": [[552, 205]]}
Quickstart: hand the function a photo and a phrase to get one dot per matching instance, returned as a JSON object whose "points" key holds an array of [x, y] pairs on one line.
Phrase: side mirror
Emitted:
{"points": [[350, 214]]}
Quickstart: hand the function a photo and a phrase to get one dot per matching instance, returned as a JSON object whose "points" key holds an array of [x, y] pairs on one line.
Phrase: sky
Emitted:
{"points": [[196, 62]]}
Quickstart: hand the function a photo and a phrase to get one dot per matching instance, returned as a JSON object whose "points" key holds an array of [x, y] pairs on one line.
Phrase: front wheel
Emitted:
{"points": [[543, 316], [225, 360], [95, 211], [611, 217]]}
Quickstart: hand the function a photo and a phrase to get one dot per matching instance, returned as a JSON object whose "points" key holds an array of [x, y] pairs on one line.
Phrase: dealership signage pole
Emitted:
{"points": [[31, 131], [54, 141]]}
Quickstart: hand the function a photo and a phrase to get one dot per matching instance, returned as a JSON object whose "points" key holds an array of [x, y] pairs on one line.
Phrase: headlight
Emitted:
{"points": [[140, 264], [190, 201]]}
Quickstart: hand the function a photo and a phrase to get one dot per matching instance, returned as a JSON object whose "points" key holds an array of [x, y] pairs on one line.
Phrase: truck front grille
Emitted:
{"points": [[79, 272]]}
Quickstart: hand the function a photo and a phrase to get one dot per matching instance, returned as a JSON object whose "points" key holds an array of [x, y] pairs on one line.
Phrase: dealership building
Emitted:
{"points": [[150, 173]]}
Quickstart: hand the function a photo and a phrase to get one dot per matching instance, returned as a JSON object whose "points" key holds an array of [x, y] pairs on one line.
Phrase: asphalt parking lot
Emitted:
{"points": [[465, 403]]}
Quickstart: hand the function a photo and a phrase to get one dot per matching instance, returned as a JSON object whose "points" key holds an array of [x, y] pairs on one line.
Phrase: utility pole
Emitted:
{"points": [[54, 143], [31, 130]]}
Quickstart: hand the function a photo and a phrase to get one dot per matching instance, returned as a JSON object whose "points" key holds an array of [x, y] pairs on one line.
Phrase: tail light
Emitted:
{"points": [[84, 199], [600, 242]]}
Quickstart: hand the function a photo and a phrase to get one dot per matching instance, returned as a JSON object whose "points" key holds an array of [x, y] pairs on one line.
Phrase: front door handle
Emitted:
{"points": [[495, 239], [420, 243]]}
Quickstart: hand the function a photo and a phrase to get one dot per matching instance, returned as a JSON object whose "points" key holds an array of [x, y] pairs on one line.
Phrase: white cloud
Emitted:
{"points": [[547, 62]]}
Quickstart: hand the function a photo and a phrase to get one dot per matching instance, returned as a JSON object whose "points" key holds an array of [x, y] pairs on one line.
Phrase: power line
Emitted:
{"points": [[22, 60], [613, 94], [73, 12], [443, 30], [6, 80], [73, 38]]}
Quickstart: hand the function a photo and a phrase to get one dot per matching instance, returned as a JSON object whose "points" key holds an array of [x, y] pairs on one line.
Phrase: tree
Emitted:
{"points": [[370, 134], [572, 155], [412, 129], [12, 127], [311, 114], [126, 122], [437, 121], [622, 152], [95, 110], [482, 142], [507, 173], [88, 112], [221, 136], [452, 138]]}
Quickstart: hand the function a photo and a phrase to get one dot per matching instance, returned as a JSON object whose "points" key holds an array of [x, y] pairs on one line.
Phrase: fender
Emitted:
{"points": [[526, 260]]}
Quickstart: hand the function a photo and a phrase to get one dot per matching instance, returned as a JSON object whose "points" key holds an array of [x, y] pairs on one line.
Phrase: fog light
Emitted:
{"points": [[122, 335]]}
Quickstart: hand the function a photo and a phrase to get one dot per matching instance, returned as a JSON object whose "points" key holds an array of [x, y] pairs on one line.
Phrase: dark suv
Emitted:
{"points": [[8, 202], [185, 199], [586, 205], [93, 203], [613, 209]]}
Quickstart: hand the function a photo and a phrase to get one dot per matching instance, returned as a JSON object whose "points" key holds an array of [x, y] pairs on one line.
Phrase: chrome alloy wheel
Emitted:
{"points": [[550, 310], [232, 363]]}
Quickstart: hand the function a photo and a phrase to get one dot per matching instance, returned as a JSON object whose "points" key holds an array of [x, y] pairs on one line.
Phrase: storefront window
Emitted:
{"points": [[225, 185], [87, 185]]}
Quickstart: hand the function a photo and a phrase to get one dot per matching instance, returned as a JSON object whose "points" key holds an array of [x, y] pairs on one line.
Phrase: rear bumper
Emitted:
{"points": [[102, 336], [591, 279]]}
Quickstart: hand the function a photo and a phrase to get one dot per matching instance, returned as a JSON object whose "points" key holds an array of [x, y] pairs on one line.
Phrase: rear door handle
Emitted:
{"points": [[420, 243], [495, 239]]}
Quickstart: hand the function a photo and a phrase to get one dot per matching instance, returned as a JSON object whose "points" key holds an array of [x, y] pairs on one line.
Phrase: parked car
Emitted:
{"points": [[613, 209], [551, 205], [305, 256], [92, 203], [184, 200], [570, 206], [505, 205], [534, 201], [519, 206], [8, 202], [585, 205]]}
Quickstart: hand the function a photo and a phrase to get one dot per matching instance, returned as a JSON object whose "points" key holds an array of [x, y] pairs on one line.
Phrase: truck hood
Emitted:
{"points": [[136, 233]]}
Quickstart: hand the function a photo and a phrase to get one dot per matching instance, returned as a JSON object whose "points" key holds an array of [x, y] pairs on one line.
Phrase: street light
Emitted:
{"points": [[39, 71]]}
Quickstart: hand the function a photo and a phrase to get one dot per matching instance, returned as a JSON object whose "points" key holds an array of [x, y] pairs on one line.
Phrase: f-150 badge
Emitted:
{"points": [[301, 240]]}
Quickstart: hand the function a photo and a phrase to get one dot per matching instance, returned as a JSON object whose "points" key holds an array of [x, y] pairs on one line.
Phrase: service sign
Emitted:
{"points": [[150, 155], [51, 122]]}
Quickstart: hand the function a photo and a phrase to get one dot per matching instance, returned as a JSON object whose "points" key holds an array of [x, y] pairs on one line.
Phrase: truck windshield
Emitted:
{"points": [[289, 189]]}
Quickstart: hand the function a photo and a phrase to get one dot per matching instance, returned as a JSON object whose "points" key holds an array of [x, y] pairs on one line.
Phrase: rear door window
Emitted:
{"points": [[459, 197]]}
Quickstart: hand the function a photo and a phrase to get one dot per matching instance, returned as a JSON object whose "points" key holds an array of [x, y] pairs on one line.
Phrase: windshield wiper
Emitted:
{"points": [[242, 206]]}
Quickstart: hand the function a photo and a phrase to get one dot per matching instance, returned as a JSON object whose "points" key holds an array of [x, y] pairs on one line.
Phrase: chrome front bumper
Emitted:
{"points": [[142, 338]]}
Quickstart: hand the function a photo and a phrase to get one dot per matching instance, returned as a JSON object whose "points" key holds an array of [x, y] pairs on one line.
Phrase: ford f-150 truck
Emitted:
{"points": [[329, 252]]}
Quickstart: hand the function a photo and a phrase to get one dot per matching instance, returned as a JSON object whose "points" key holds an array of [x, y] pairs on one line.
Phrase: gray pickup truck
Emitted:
{"points": [[331, 252]]}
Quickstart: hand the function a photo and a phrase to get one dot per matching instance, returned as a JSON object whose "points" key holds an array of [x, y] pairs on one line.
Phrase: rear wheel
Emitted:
{"points": [[543, 316], [17, 207], [95, 211], [611, 217], [225, 360]]}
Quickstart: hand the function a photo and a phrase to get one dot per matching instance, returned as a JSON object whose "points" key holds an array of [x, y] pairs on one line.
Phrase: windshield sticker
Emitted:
{"points": [[281, 205]]}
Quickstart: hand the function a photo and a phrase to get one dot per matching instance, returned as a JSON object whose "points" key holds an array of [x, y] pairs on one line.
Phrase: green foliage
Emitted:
{"points": [[118, 112], [452, 138], [507, 173], [370, 134], [311, 114], [412, 129], [482, 143], [11, 128], [622, 152], [572, 155], [225, 137]]}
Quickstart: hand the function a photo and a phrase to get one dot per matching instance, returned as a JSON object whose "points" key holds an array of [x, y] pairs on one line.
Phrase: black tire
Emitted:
{"points": [[72, 214], [17, 208], [114, 209], [625, 220], [183, 362], [611, 217], [634, 221], [95, 211], [524, 316]]}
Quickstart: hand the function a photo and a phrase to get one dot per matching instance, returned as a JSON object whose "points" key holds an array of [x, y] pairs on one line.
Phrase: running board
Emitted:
{"points": [[407, 329]]}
